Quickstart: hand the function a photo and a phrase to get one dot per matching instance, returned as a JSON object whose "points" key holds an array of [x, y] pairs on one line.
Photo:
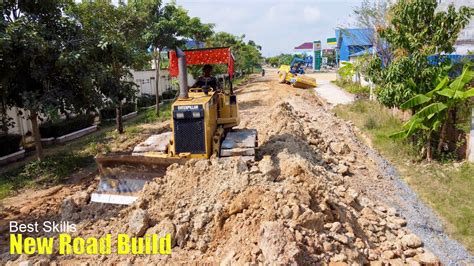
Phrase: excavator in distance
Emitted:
{"points": [[202, 124]]}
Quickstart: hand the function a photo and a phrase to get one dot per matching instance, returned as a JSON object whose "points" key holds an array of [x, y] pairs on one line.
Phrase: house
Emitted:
{"points": [[353, 57], [353, 41]]}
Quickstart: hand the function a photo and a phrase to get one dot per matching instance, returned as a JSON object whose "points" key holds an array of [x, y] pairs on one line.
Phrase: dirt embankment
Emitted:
{"points": [[293, 205]]}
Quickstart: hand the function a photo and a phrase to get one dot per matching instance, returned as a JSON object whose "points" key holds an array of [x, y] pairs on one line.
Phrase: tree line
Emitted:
{"points": [[76, 57]]}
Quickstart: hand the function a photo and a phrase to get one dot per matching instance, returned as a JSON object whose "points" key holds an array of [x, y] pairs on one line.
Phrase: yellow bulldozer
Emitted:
{"points": [[202, 125]]}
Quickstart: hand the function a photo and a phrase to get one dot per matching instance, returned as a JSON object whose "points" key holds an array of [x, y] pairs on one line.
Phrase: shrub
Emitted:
{"points": [[56, 129], [169, 95], [109, 113], [146, 100], [9, 144]]}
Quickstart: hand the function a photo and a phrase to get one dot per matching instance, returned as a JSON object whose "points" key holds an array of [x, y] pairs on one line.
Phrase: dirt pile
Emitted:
{"points": [[290, 206]]}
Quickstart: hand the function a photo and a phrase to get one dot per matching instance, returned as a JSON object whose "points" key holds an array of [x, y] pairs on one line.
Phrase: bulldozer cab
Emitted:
{"points": [[224, 83]]}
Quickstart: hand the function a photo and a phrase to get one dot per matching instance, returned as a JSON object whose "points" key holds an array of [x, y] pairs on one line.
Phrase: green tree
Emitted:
{"points": [[39, 56], [282, 59], [414, 32], [168, 27], [247, 55], [114, 44]]}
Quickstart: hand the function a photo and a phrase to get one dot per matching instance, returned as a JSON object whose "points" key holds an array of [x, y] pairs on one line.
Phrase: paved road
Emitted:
{"points": [[329, 92], [333, 94]]}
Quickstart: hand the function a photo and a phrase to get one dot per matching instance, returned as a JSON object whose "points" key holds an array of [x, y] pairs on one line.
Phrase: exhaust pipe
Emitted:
{"points": [[183, 74]]}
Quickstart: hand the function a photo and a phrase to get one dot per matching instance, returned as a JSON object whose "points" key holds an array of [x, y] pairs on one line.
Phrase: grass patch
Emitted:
{"points": [[149, 115], [52, 170], [353, 87], [446, 187], [63, 160]]}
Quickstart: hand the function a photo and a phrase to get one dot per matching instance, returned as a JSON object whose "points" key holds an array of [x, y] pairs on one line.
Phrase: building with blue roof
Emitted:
{"points": [[353, 41]]}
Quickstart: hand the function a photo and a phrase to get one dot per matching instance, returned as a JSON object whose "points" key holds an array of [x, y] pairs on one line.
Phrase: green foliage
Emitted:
{"points": [[353, 87], [347, 71], [247, 55], [114, 43], [52, 170], [433, 107], [169, 95], [370, 123], [146, 100], [54, 129], [282, 59], [405, 77], [416, 27], [9, 143], [149, 115], [110, 112], [43, 63], [415, 31]]}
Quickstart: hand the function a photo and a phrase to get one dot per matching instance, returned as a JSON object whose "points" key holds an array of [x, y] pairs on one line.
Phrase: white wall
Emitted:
{"points": [[147, 85], [146, 81]]}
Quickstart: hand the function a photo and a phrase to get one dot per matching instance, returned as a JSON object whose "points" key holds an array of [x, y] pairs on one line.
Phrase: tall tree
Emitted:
{"points": [[415, 31], [37, 43], [168, 27], [114, 44]]}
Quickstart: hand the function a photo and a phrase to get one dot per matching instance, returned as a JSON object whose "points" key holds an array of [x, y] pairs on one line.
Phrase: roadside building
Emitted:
{"points": [[306, 50], [353, 57], [353, 41]]}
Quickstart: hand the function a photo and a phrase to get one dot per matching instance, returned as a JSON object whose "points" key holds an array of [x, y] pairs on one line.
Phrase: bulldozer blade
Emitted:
{"points": [[240, 142], [123, 176]]}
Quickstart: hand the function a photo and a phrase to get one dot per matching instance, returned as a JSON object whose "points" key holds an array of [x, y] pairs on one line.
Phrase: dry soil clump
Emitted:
{"points": [[290, 206]]}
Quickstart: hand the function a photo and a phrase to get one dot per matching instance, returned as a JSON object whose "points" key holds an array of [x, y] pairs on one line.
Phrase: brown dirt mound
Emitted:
{"points": [[290, 206]]}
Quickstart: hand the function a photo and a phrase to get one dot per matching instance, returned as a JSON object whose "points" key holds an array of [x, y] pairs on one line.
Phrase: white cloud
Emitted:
{"points": [[311, 14]]}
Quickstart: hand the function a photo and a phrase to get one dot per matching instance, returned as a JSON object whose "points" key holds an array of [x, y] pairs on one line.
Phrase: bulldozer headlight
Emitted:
{"points": [[196, 114], [179, 115]]}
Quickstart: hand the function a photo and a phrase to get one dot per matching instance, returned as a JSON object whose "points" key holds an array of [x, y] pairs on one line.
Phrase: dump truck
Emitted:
{"points": [[202, 125], [294, 75]]}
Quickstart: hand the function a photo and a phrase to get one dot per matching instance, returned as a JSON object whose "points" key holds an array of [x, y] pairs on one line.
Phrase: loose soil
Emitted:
{"points": [[313, 196]]}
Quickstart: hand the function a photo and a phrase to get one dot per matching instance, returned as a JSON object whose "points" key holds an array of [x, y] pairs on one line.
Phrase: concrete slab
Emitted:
{"points": [[240, 138], [333, 94], [240, 142], [155, 143]]}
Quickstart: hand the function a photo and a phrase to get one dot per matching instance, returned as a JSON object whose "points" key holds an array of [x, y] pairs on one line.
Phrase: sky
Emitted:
{"points": [[277, 25]]}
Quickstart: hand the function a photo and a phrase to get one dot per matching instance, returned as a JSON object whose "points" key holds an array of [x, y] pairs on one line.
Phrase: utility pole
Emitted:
{"points": [[374, 47]]}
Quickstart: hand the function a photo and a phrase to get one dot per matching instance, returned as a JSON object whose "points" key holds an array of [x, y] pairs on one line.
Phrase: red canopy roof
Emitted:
{"points": [[211, 56], [305, 46]]}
